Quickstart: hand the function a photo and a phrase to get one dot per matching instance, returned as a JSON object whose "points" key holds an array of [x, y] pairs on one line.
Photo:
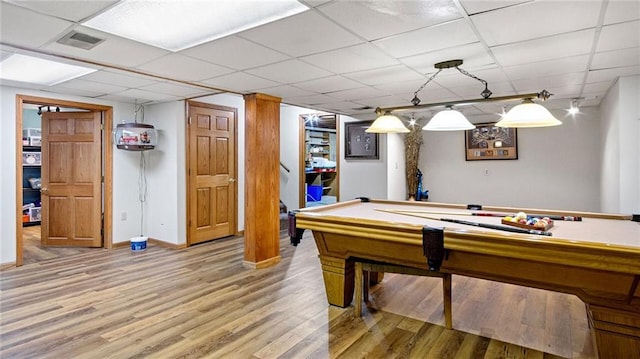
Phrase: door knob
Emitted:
{"points": [[44, 190], [231, 180]]}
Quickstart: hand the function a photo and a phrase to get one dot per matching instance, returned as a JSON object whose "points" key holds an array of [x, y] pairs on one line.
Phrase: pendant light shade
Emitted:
{"points": [[528, 114], [387, 124], [448, 120]]}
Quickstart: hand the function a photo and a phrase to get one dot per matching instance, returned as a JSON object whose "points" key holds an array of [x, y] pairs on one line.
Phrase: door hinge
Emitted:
{"points": [[102, 127], [102, 179], [189, 120]]}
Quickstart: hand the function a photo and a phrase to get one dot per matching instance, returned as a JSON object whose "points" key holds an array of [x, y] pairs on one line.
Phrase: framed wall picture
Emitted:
{"points": [[360, 144], [489, 142]]}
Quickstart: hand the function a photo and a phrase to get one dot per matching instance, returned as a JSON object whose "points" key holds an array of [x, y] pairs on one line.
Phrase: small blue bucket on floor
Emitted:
{"points": [[138, 244], [314, 193]]}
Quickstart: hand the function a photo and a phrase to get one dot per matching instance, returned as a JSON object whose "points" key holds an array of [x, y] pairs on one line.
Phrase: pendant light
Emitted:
{"points": [[387, 123], [448, 120], [528, 114]]}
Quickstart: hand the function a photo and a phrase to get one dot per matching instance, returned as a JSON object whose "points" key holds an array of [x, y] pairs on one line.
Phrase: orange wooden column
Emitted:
{"points": [[262, 181]]}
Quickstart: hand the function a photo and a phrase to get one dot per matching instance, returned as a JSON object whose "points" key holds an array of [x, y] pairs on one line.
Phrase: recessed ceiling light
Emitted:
{"points": [[31, 69], [177, 25]]}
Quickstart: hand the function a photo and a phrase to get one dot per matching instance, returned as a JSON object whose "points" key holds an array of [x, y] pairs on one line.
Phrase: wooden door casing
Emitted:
{"points": [[212, 160], [71, 179]]}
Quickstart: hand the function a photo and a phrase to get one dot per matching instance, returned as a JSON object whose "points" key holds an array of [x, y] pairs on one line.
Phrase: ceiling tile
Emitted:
{"points": [[113, 51], [473, 55], [597, 87], [450, 34], [313, 99], [19, 26], [313, 33], [365, 17], [535, 19], [475, 6], [396, 73], [116, 77], [619, 36], [554, 47], [73, 10], [357, 93], [176, 90], [101, 88], [549, 82], [289, 71], [328, 84], [285, 91], [73, 91], [235, 52], [547, 68], [141, 95], [353, 58], [454, 78], [621, 10], [240, 82], [407, 88], [618, 58], [612, 74], [184, 68]]}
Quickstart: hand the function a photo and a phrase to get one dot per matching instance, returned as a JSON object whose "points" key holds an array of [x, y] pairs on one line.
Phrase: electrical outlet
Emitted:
{"points": [[123, 216], [486, 172]]}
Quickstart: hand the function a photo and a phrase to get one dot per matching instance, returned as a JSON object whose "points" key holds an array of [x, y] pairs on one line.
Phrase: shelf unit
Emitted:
{"points": [[31, 169], [320, 142]]}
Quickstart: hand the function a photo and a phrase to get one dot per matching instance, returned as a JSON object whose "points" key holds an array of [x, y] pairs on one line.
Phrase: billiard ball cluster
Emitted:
{"points": [[522, 218]]}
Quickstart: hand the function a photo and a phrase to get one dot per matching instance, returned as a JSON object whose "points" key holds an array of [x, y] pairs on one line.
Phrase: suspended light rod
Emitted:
{"points": [[542, 95]]}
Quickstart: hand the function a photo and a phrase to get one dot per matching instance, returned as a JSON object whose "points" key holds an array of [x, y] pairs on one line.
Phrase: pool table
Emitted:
{"points": [[597, 258]]}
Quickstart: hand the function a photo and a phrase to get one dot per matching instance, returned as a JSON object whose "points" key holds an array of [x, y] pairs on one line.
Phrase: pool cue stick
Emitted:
{"points": [[475, 224], [493, 214]]}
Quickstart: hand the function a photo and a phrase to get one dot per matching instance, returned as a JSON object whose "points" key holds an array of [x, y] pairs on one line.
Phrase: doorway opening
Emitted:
{"points": [[319, 159], [102, 190]]}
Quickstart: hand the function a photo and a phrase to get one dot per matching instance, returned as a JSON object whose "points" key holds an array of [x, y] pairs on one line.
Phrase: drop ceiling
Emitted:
{"points": [[349, 57]]}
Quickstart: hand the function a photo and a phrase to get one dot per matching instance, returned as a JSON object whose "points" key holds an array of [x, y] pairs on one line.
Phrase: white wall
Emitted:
{"points": [[363, 178], [620, 150], [557, 168], [290, 154], [396, 167], [165, 207]]}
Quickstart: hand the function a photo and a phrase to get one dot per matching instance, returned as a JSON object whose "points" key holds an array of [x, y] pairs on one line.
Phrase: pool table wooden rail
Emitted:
{"points": [[606, 277]]}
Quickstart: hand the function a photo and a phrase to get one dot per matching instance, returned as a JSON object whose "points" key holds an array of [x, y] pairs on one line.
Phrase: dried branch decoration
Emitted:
{"points": [[412, 142]]}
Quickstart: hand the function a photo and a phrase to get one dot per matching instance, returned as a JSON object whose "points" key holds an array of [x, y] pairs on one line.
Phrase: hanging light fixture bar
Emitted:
{"points": [[542, 95]]}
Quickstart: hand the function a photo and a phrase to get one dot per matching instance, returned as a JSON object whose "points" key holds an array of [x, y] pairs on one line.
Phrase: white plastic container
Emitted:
{"points": [[138, 244]]}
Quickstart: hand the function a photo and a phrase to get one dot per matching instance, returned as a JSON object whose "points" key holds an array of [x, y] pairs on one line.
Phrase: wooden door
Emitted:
{"points": [[212, 172], [71, 179]]}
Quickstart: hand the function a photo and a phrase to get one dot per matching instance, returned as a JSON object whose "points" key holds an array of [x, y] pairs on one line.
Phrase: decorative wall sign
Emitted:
{"points": [[489, 142], [360, 144]]}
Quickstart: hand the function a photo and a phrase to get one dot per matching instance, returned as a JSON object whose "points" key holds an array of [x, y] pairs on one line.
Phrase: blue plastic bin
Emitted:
{"points": [[314, 193]]}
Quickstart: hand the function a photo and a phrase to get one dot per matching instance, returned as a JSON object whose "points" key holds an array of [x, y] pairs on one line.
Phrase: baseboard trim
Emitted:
{"points": [[164, 244], [263, 264], [7, 265], [155, 242]]}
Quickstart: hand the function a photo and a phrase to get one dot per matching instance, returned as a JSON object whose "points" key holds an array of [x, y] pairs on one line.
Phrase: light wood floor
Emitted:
{"points": [[200, 302], [34, 252]]}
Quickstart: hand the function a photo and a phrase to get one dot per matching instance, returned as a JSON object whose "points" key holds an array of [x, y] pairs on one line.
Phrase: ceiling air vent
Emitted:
{"points": [[80, 40]]}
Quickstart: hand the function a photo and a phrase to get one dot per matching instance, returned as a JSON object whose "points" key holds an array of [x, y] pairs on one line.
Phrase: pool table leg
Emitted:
{"points": [[338, 275], [616, 333]]}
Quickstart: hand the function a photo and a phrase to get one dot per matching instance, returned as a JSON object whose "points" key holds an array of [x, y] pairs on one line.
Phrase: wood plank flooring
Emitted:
{"points": [[201, 302], [33, 252]]}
